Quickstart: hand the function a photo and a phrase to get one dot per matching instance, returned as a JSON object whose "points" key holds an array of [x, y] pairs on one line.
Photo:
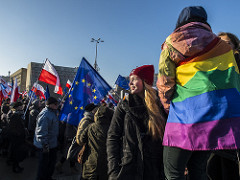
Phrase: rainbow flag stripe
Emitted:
{"points": [[205, 110]]}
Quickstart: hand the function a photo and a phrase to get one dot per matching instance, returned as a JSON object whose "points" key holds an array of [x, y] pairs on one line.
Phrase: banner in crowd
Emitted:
{"points": [[68, 84], [50, 76], [122, 82], [39, 90], [87, 87], [15, 92]]}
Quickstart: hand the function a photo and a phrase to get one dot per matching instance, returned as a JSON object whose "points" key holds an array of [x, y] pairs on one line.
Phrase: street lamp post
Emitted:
{"points": [[95, 63]]}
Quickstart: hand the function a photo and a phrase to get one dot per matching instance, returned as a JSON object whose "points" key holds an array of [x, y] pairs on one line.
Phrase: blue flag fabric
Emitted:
{"points": [[65, 90], [32, 95], [122, 82], [47, 93], [88, 87]]}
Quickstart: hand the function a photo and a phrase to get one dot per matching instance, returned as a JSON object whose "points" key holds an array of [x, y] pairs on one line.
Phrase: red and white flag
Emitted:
{"points": [[39, 90], [15, 93], [24, 93], [50, 76], [69, 84]]}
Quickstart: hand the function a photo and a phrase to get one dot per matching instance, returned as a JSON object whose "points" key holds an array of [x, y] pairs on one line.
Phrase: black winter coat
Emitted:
{"points": [[95, 135], [132, 153]]}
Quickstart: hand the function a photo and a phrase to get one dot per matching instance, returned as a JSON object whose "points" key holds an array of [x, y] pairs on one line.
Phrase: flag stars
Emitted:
{"points": [[88, 84], [76, 108], [95, 97], [71, 89], [76, 82], [71, 102], [83, 80], [94, 90], [81, 107]]}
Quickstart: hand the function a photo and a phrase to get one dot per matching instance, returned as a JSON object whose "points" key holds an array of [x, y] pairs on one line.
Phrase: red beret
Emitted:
{"points": [[145, 72]]}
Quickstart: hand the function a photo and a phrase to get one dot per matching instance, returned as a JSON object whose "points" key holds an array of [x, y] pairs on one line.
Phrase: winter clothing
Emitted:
{"points": [[51, 100], [95, 135], [5, 108], [34, 111], [146, 73], [16, 104], [192, 14], [90, 107], [45, 139], [16, 135], [85, 121], [47, 129], [198, 84], [132, 152], [198, 74], [46, 164]]}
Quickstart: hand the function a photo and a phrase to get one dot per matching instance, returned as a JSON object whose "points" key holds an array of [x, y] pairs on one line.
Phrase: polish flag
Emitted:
{"points": [[50, 76], [69, 84], [15, 93], [39, 90], [24, 93]]}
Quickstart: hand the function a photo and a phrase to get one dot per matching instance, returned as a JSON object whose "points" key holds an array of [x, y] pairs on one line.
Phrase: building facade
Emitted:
{"points": [[21, 76]]}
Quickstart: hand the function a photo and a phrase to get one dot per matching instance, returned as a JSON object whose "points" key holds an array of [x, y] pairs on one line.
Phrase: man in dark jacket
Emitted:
{"points": [[95, 135], [3, 125], [33, 113], [16, 135]]}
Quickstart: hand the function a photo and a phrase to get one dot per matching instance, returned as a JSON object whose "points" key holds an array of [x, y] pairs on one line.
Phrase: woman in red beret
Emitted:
{"points": [[134, 143]]}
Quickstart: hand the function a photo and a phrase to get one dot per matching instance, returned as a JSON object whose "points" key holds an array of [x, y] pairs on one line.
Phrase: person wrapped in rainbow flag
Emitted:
{"points": [[199, 85]]}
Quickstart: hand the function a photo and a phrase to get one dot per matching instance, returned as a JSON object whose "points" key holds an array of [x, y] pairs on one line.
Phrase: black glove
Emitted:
{"points": [[45, 148]]}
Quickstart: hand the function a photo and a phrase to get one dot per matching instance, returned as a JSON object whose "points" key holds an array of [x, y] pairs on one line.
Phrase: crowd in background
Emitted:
{"points": [[150, 135]]}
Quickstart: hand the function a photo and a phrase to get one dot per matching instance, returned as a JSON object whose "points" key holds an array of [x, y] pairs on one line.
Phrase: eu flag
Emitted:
{"points": [[122, 82], [88, 87]]}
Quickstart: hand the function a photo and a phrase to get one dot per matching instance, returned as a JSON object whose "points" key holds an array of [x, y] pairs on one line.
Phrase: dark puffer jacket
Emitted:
{"points": [[132, 153], [34, 111], [95, 166]]}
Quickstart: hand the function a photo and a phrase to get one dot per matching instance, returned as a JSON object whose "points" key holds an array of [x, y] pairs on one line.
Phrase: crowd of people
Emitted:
{"points": [[189, 128]]}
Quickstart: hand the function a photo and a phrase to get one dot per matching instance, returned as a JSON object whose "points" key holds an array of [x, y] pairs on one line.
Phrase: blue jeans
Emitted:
{"points": [[175, 161], [46, 164]]}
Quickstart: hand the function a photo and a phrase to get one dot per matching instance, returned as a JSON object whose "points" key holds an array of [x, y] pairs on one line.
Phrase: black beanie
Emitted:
{"points": [[190, 14], [90, 107], [16, 104], [51, 100]]}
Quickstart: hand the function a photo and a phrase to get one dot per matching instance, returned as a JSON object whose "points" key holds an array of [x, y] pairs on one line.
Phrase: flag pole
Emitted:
{"points": [[24, 115]]}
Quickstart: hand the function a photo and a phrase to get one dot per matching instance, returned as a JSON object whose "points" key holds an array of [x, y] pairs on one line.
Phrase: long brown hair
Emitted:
{"points": [[157, 121]]}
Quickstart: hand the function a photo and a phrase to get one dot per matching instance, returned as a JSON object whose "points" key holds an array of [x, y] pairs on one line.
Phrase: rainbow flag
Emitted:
{"points": [[205, 110]]}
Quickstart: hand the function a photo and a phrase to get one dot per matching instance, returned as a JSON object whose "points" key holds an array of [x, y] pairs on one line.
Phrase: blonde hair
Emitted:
{"points": [[156, 123]]}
